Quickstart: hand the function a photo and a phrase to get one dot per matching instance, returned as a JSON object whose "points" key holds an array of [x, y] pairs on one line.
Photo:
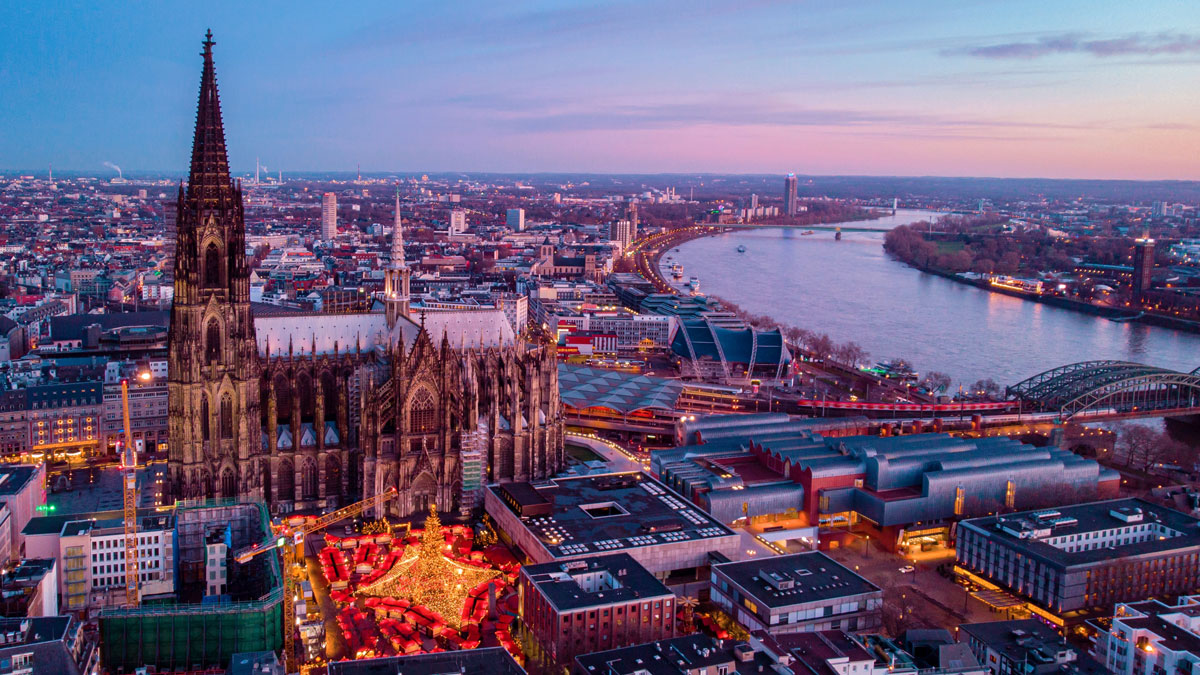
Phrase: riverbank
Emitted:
{"points": [[1112, 313], [852, 290], [649, 252]]}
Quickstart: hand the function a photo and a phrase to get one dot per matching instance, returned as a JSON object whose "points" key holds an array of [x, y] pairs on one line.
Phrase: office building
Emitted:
{"points": [[1067, 561], [1143, 268], [802, 592], [1153, 636], [582, 606], [22, 491], [30, 589], [89, 550], [791, 201], [458, 222], [1025, 646], [50, 644], [64, 418], [916, 651], [329, 225], [570, 519], [147, 387], [515, 220], [683, 655], [623, 231], [484, 661]]}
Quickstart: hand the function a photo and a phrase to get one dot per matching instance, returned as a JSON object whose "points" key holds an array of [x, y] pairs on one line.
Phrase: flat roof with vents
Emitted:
{"points": [[780, 581], [607, 513]]}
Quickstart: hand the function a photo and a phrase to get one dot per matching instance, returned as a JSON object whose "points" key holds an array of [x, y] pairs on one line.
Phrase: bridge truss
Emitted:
{"points": [[1109, 387]]}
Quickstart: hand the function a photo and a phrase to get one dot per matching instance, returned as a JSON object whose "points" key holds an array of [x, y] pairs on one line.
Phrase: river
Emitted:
{"points": [[852, 290]]}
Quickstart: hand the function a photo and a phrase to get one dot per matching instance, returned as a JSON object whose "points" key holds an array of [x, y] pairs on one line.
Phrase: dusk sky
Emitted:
{"points": [[959, 88]]}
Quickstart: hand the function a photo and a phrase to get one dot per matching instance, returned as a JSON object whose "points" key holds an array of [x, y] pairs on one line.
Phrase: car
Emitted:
{"points": [[907, 568]]}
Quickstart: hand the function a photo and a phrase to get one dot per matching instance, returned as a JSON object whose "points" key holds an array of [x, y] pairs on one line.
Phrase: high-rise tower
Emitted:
{"points": [[791, 202], [329, 216], [397, 278], [213, 367], [1143, 268]]}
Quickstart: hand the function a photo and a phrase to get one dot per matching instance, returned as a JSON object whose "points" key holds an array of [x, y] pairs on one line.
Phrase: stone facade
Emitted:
{"points": [[320, 410]]}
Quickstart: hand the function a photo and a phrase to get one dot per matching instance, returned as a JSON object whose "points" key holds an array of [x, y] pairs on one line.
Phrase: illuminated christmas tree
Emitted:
{"points": [[427, 577]]}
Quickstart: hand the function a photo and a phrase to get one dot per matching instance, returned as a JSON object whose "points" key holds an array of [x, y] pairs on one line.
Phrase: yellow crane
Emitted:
{"points": [[129, 476], [280, 541]]}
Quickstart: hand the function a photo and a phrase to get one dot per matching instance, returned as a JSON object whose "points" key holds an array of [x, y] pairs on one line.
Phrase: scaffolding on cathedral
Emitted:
{"points": [[428, 577]]}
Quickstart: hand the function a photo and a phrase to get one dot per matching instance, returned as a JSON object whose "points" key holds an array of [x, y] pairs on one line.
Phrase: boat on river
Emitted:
{"points": [[741, 249]]}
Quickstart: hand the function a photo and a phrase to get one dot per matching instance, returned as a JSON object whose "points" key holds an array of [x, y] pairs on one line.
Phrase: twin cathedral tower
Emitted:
{"points": [[307, 410]]}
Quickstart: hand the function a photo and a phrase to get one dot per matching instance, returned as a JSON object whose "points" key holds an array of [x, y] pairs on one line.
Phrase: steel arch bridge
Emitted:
{"points": [[1110, 388]]}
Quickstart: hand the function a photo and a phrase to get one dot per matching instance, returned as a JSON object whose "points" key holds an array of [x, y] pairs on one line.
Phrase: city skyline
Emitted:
{"points": [[771, 87]]}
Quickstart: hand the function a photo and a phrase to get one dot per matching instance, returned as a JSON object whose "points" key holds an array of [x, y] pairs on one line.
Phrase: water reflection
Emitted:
{"points": [[853, 291]]}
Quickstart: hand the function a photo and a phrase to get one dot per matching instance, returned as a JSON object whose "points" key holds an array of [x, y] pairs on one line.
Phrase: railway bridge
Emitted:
{"points": [[1110, 390]]}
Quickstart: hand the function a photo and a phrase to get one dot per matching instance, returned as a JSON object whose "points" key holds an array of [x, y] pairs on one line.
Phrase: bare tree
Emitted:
{"points": [[937, 381], [987, 387], [851, 354]]}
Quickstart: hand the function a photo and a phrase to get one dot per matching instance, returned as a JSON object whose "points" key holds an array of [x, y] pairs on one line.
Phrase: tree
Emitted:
{"points": [[988, 387], [936, 381], [851, 354], [1145, 449], [820, 345]]}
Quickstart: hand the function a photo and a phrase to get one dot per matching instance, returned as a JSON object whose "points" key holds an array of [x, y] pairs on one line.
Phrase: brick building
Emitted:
{"points": [[583, 606]]}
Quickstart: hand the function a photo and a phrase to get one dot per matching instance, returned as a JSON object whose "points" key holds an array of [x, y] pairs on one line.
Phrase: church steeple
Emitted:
{"points": [[396, 280], [208, 181], [398, 238], [212, 381]]}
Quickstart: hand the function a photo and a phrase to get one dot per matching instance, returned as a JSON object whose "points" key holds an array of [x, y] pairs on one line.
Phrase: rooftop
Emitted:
{"points": [[486, 661], [581, 387], [676, 656], [609, 513], [602, 580], [1055, 534], [72, 524], [782, 581], [14, 478], [1029, 640], [29, 631]]}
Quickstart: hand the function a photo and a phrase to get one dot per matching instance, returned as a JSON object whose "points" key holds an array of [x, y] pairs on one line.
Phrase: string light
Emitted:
{"points": [[431, 579]]}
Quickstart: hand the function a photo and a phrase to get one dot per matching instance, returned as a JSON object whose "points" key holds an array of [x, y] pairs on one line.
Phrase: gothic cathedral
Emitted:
{"points": [[310, 411]]}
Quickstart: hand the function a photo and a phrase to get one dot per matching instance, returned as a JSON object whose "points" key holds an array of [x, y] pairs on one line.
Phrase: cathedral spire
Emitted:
{"points": [[209, 180], [398, 237]]}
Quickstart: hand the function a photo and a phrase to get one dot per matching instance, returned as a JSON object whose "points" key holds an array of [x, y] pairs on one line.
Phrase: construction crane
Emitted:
{"points": [[129, 476], [279, 540]]}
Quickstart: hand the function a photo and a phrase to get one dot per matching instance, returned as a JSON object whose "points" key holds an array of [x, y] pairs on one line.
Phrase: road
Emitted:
{"points": [[929, 598], [616, 459]]}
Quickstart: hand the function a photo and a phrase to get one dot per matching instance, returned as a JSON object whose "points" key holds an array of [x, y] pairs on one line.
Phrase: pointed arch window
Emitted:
{"points": [[205, 429], [287, 481], [309, 481], [422, 412], [212, 342], [226, 416], [228, 483], [212, 266]]}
